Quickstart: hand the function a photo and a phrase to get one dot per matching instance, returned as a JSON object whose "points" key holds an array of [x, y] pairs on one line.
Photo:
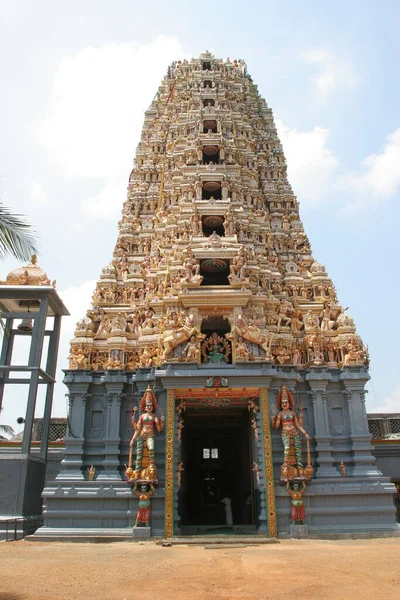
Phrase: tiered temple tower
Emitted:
{"points": [[214, 299]]}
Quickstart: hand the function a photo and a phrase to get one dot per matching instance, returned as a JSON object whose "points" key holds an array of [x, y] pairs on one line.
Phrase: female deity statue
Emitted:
{"points": [[296, 494], [145, 430], [144, 504], [292, 467]]}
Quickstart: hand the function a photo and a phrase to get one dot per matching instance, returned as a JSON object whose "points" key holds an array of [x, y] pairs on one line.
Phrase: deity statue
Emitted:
{"points": [[311, 321], [192, 267], [191, 352], [177, 334], [215, 349], [296, 491], [242, 352], [251, 334], [91, 472], [145, 433], [144, 504], [293, 466], [326, 316], [296, 323], [229, 225], [284, 310]]}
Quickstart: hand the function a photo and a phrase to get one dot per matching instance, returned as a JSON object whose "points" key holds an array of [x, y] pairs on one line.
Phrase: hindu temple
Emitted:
{"points": [[216, 383]]}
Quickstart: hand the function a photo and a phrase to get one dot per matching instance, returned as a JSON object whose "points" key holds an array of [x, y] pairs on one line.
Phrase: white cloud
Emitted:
{"points": [[332, 74], [311, 164], [391, 403], [380, 173], [77, 299], [107, 203], [96, 111], [38, 194]]}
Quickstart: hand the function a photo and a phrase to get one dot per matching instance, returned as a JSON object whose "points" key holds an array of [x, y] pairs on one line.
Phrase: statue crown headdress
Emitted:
{"points": [[148, 396], [284, 394]]}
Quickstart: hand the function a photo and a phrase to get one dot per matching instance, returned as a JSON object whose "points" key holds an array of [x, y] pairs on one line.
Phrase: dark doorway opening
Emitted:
{"points": [[213, 191], [216, 324], [213, 223], [210, 155], [216, 455], [215, 271], [210, 126]]}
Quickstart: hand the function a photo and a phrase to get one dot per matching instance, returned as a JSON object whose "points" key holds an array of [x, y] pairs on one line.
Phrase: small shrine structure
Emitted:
{"points": [[30, 308]]}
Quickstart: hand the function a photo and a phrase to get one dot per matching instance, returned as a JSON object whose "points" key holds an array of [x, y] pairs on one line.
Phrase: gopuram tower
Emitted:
{"points": [[216, 375]]}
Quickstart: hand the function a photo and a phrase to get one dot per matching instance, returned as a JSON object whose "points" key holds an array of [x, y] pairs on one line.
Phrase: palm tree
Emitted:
{"points": [[16, 236], [18, 241], [6, 429]]}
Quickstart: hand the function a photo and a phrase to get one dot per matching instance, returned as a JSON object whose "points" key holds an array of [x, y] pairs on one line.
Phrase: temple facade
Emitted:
{"points": [[216, 381]]}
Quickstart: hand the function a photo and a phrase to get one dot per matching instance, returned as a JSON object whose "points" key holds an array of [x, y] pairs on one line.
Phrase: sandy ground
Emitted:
{"points": [[305, 569]]}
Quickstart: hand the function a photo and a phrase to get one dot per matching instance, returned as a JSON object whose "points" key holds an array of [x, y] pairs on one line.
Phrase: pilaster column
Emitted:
{"points": [[72, 464], [268, 506], [322, 437], [114, 383], [364, 461], [169, 465]]}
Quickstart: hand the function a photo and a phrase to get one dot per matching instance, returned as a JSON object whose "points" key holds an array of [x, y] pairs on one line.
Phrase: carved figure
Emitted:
{"points": [[191, 352], [251, 334], [242, 352], [257, 471], [326, 316], [293, 465], [144, 505], [171, 338], [296, 491], [215, 349], [145, 429], [284, 310], [180, 471], [192, 267]]}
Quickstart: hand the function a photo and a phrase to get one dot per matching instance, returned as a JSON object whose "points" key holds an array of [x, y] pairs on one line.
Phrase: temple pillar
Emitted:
{"points": [[169, 464], [114, 385], [268, 519], [322, 437], [364, 461], [72, 465]]}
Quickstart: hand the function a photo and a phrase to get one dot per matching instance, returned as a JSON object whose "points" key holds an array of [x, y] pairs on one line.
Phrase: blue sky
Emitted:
{"points": [[77, 76]]}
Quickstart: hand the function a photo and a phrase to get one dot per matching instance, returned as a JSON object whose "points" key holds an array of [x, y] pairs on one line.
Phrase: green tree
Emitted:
{"points": [[16, 236], [6, 429]]}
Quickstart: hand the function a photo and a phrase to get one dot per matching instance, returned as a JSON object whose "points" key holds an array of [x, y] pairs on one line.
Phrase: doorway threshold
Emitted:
{"points": [[218, 540], [219, 530]]}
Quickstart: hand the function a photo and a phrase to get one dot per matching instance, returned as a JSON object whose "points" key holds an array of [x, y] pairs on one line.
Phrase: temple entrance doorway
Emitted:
{"points": [[216, 493]]}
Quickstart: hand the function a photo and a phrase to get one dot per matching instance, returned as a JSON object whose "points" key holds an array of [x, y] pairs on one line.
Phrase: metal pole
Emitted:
{"points": [[34, 361], [51, 365], [6, 353]]}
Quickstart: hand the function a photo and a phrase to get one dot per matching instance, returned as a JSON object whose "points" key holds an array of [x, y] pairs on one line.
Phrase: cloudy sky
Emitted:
{"points": [[76, 78]]}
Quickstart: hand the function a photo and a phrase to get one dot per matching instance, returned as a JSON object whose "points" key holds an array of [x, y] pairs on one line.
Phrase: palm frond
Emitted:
{"points": [[16, 236], [6, 429]]}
